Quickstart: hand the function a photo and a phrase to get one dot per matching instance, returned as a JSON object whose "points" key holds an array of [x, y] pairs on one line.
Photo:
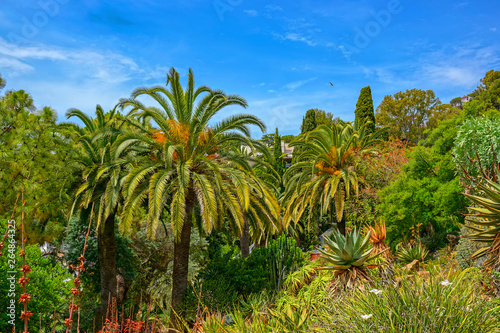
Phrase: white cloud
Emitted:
{"points": [[297, 84], [493, 29], [271, 91], [296, 37], [273, 8], [251, 12], [103, 66], [15, 65]]}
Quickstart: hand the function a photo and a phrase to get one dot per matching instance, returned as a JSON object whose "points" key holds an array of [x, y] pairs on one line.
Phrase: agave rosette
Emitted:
{"points": [[347, 252], [486, 222]]}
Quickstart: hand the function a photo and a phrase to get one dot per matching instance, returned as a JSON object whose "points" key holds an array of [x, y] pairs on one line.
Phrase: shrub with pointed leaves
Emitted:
{"points": [[349, 255], [485, 223]]}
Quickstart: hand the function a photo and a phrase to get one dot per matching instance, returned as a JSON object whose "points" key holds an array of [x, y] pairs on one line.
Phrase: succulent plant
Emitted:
{"points": [[349, 255], [485, 223], [377, 237], [411, 252]]}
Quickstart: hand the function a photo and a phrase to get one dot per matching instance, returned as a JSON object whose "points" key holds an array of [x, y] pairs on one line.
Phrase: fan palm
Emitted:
{"points": [[102, 177], [325, 172], [187, 166]]}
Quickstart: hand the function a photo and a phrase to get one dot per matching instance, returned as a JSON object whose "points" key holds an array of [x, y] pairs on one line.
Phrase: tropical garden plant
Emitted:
{"points": [[325, 173], [187, 168], [349, 256]]}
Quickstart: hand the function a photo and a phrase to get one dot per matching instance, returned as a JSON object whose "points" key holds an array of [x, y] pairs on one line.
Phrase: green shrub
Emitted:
{"points": [[465, 249], [49, 286], [228, 279], [411, 252], [417, 306]]}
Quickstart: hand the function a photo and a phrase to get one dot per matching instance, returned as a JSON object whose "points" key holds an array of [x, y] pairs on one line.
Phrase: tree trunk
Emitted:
{"points": [[106, 245], [245, 240], [341, 225], [180, 269]]}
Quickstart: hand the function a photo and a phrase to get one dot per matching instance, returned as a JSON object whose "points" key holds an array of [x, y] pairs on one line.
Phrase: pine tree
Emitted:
{"points": [[364, 109]]}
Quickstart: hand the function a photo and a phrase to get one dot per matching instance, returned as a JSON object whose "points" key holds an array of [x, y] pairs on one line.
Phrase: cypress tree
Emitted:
{"points": [[279, 163], [364, 109], [308, 124]]}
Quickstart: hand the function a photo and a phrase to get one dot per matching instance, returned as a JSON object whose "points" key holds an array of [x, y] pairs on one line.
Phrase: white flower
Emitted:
{"points": [[366, 317], [446, 283], [376, 291]]}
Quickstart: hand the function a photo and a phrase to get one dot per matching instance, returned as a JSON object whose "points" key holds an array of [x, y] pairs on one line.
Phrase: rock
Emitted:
{"points": [[413, 266], [424, 274]]}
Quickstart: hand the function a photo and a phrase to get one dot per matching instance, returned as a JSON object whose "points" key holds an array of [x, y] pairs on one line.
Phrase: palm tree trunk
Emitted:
{"points": [[180, 269], [341, 225], [245, 240], [106, 245]]}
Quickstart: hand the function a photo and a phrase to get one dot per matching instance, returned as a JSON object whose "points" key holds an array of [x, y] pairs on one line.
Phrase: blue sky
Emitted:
{"points": [[280, 55]]}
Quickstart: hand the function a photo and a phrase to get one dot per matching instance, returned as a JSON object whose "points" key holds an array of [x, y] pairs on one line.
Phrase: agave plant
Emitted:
{"points": [[412, 252], [349, 255], [486, 223]]}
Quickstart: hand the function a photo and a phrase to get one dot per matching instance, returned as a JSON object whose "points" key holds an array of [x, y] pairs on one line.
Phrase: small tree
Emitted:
{"points": [[364, 109]]}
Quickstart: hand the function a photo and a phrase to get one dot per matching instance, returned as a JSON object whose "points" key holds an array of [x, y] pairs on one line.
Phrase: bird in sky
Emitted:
{"points": [[331, 84]]}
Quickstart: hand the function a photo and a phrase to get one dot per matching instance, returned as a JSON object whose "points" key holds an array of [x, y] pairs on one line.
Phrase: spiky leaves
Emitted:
{"points": [[325, 172], [349, 255], [186, 167], [485, 222]]}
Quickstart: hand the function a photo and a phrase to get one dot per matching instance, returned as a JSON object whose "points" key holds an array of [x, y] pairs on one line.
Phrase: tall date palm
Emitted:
{"points": [[325, 172], [101, 182], [186, 166]]}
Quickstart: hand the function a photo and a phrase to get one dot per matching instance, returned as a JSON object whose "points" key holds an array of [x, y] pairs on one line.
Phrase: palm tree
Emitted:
{"points": [[263, 216], [325, 172], [102, 177], [186, 167]]}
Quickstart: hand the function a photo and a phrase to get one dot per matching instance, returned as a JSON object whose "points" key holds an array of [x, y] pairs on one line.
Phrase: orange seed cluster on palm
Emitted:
{"points": [[179, 133]]}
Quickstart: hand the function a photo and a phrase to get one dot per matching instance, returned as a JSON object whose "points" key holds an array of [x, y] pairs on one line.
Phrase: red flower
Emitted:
{"points": [[74, 291], [26, 315], [25, 298], [68, 322], [73, 307], [23, 280], [77, 282], [26, 269], [22, 253]]}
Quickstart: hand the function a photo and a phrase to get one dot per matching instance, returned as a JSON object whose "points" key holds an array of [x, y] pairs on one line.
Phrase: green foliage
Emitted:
{"points": [[345, 252], [409, 253], [412, 306], [484, 222], [476, 138], [487, 93], [226, 279], [35, 154], [415, 306], [49, 286], [126, 259], [405, 114], [427, 193], [2, 83], [279, 163], [465, 249], [283, 257], [364, 109]]}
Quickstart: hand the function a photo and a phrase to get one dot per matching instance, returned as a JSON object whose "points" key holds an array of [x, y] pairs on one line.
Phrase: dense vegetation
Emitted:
{"points": [[190, 224]]}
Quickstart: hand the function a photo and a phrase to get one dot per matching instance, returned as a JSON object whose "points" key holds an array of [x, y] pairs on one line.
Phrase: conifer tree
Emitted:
{"points": [[308, 124], [364, 109], [279, 163]]}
